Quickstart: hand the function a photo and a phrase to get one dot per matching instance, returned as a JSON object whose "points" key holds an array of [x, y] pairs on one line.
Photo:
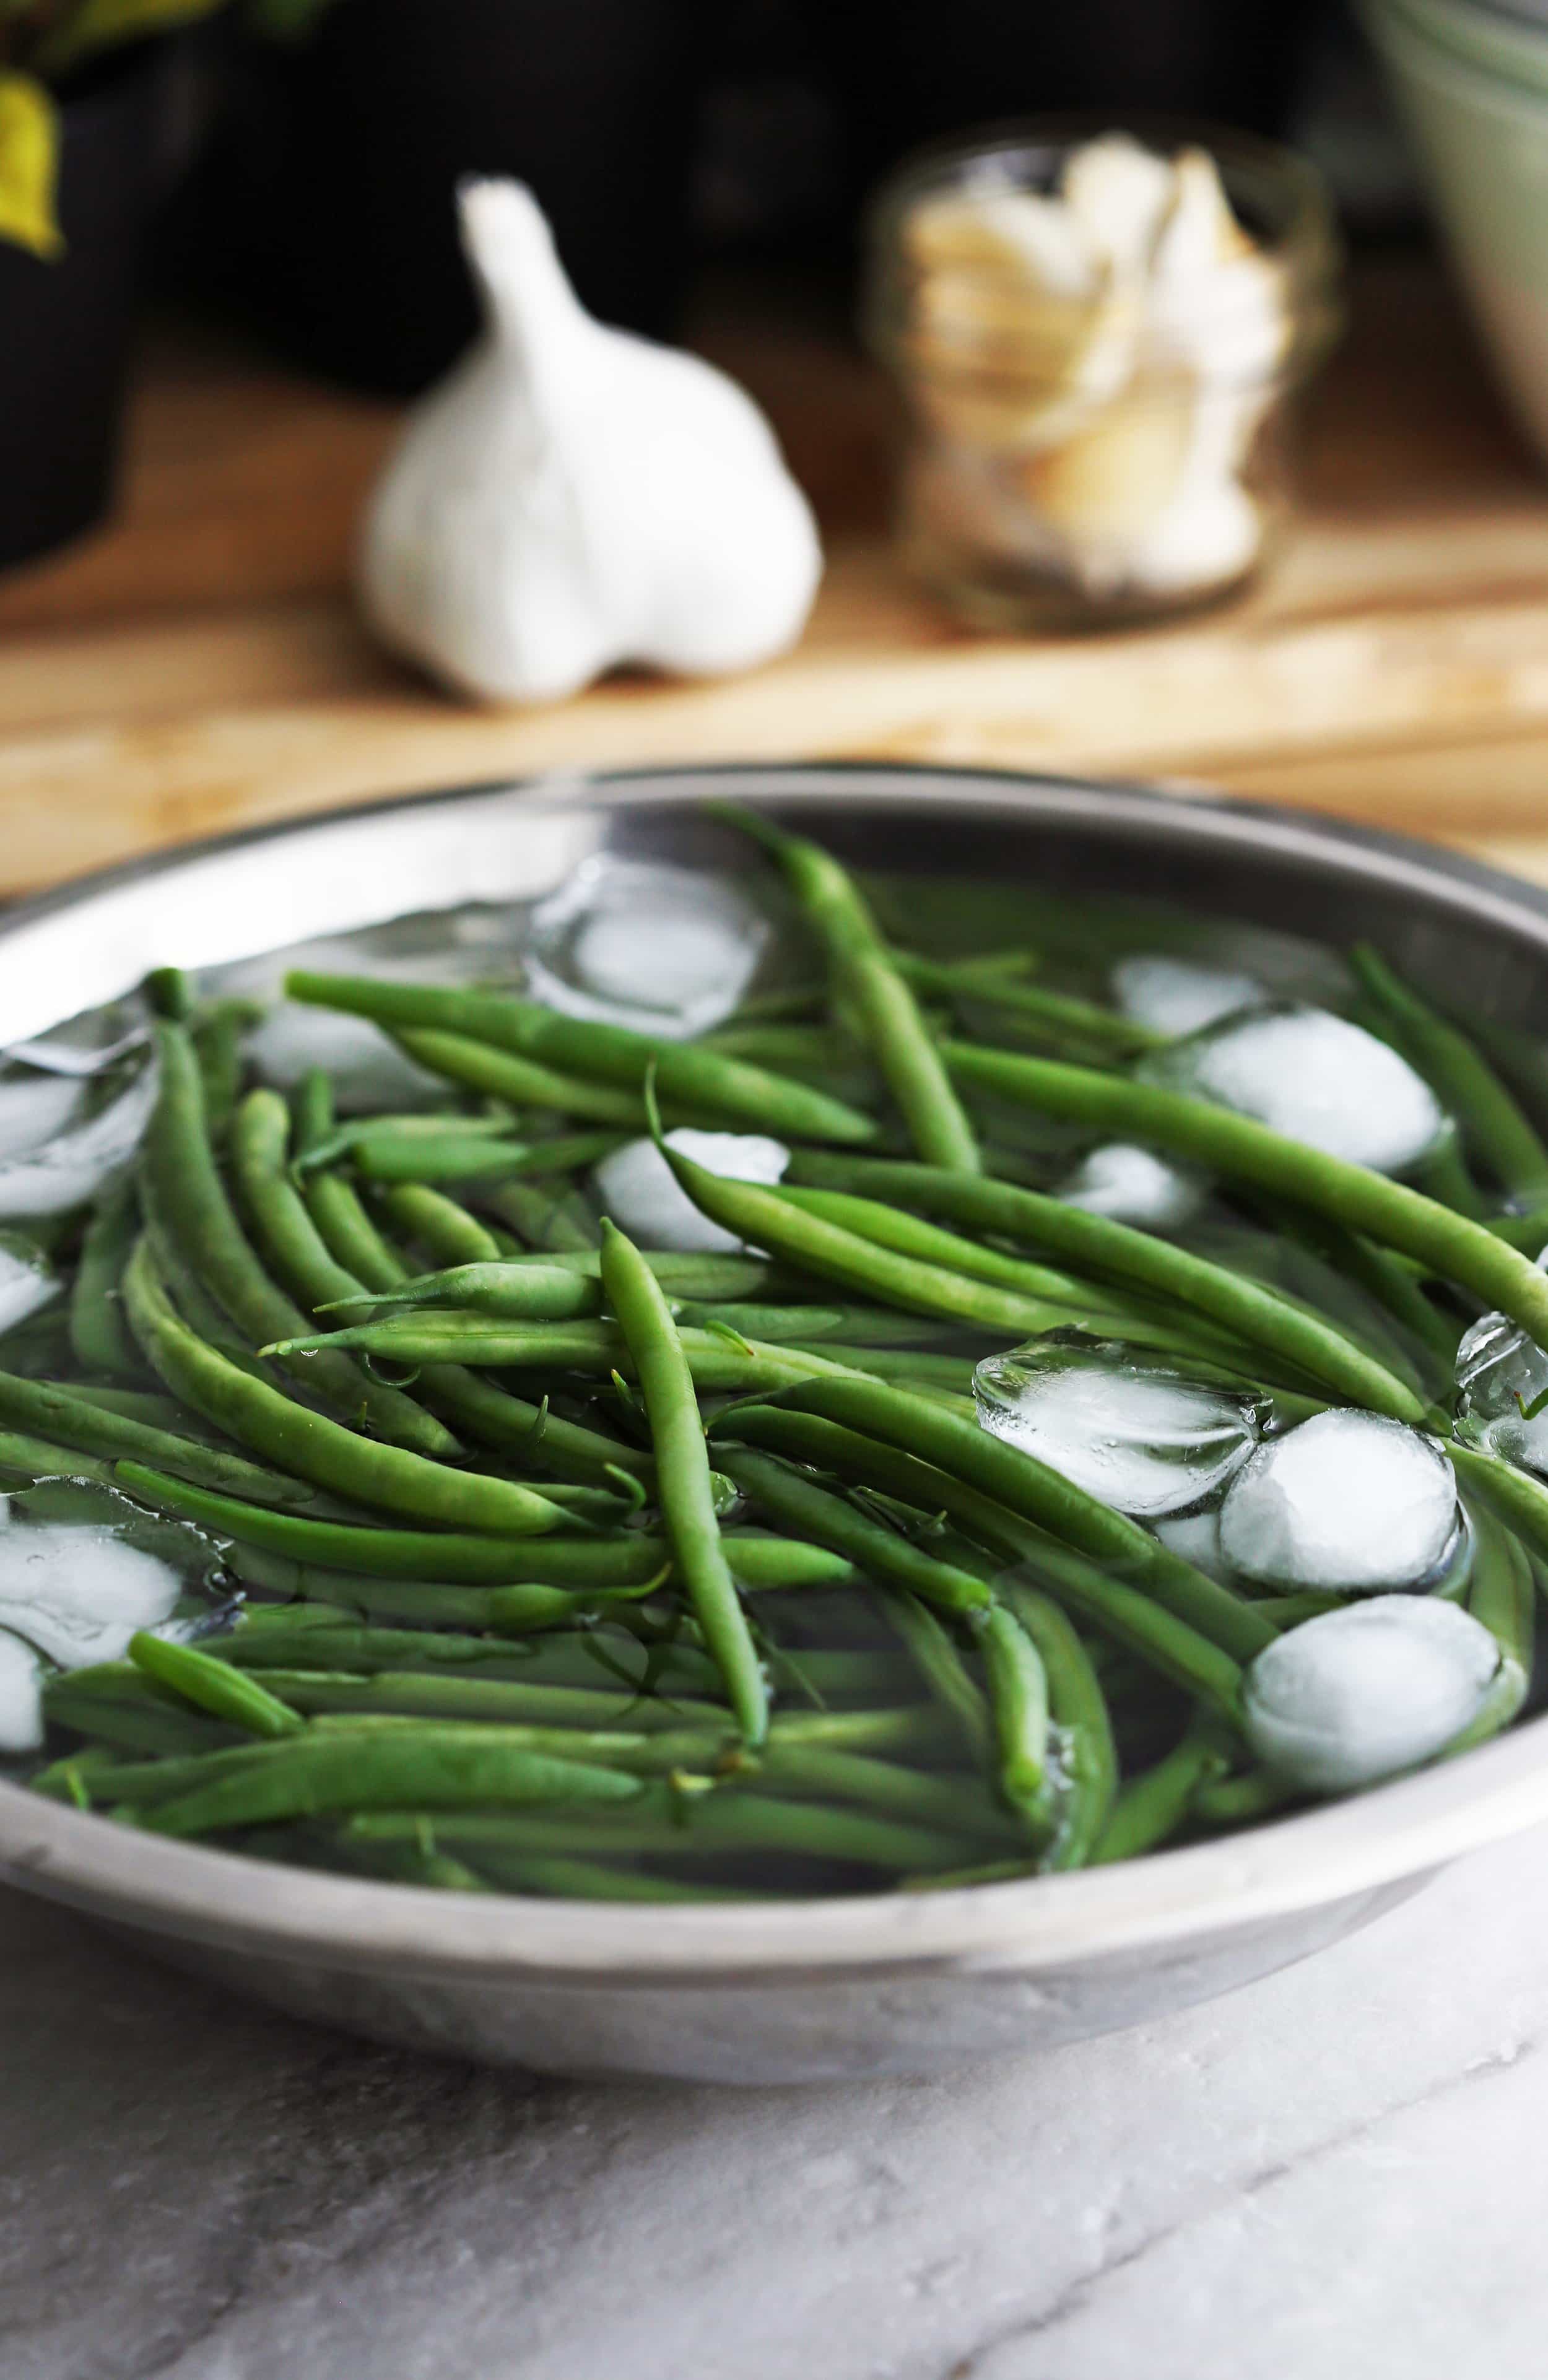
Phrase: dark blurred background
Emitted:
{"points": [[661, 133]]}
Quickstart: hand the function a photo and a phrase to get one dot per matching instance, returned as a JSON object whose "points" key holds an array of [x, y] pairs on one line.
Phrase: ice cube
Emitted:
{"points": [[33, 1108], [1196, 1537], [67, 1171], [1178, 996], [27, 1280], [1113, 1421], [641, 1192], [1131, 1185], [1360, 1695], [21, 1696], [663, 949], [1501, 1376], [1348, 1502], [79, 1592], [1314, 1075], [370, 1075]]}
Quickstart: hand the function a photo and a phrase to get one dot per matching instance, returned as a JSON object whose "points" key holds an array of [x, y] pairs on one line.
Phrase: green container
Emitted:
{"points": [[1482, 137]]}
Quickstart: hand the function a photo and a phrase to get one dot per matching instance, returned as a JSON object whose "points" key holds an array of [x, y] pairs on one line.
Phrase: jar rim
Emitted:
{"points": [[1289, 211]]}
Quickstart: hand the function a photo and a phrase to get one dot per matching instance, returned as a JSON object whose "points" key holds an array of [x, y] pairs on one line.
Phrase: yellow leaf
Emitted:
{"points": [[28, 165]]}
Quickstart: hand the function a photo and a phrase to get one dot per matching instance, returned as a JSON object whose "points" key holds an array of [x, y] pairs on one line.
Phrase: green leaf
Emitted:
{"points": [[99, 24], [28, 165]]}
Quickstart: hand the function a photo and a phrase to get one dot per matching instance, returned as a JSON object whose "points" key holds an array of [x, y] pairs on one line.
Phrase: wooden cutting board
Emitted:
{"points": [[197, 666]]}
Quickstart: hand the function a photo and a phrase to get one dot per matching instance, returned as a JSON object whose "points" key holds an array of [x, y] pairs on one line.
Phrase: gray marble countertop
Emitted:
{"points": [[1340, 2173]]}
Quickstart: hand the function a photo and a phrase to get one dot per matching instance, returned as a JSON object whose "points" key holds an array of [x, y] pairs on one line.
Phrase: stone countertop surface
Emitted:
{"points": [[1339, 2173]]}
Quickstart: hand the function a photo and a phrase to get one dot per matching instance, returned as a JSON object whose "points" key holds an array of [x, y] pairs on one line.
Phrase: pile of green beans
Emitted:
{"points": [[520, 1557]]}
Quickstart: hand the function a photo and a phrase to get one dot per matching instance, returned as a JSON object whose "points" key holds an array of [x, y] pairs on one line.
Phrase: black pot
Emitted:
{"points": [[333, 187], [66, 325], [911, 69]]}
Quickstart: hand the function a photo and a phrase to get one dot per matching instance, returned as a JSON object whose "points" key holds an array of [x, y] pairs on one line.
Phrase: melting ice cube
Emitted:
{"points": [[1500, 1377], [1130, 1185], [79, 1593], [1109, 1418], [641, 1192], [1348, 1502], [33, 1108], [1314, 1075], [1362, 1693], [27, 1280], [21, 1696], [1176, 996], [664, 950], [70, 1168]]}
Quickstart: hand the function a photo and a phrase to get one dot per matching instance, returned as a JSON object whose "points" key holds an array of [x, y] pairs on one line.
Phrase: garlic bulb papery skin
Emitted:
{"points": [[572, 497]]}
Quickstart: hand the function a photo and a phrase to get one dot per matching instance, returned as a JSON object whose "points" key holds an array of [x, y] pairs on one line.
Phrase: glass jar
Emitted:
{"points": [[1095, 336]]}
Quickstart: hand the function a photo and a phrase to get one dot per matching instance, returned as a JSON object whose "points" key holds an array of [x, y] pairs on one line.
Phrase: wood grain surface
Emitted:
{"points": [[198, 666]]}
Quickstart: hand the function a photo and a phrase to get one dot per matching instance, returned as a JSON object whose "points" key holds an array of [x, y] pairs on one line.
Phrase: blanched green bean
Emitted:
{"points": [[683, 1489], [606, 1053], [1244, 1150], [865, 979]]}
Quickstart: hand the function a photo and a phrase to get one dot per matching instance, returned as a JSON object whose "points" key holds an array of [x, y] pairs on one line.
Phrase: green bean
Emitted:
{"points": [[546, 1216], [1243, 1149], [768, 1220], [217, 1032], [1462, 1079], [607, 1053], [1519, 1499], [494, 1415], [1242, 1308], [535, 1293], [1055, 1011], [863, 975], [437, 1222], [458, 1155], [854, 1327], [436, 1767], [683, 1475], [70, 1418], [798, 1502], [943, 1671], [211, 1686], [845, 1776], [308, 1444], [1019, 1704], [479, 1066], [600, 1564], [721, 1278], [1149, 1811], [554, 1876], [99, 1339], [661, 1822], [1500, 1596], [597, 1348], [1236, 1801], [114, 1704], [412, 1863], [191, 1199], [33, 1459], [1080, 1711]]}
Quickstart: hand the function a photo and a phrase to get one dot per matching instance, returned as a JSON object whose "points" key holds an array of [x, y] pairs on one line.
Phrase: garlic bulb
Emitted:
{"points": [[571, 497]]}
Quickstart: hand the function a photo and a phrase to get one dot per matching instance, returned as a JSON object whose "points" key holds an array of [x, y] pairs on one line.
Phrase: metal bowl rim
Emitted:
{"points": [[1047, 1922]]}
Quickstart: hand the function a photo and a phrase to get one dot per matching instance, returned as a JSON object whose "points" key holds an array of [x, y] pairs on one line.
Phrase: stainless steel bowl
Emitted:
{"points": [[776, 1993]]}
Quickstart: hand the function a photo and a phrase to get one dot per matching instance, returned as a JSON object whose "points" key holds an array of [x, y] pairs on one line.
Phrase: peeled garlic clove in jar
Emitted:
{"points": [[572, 497], [1018, 331]]}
